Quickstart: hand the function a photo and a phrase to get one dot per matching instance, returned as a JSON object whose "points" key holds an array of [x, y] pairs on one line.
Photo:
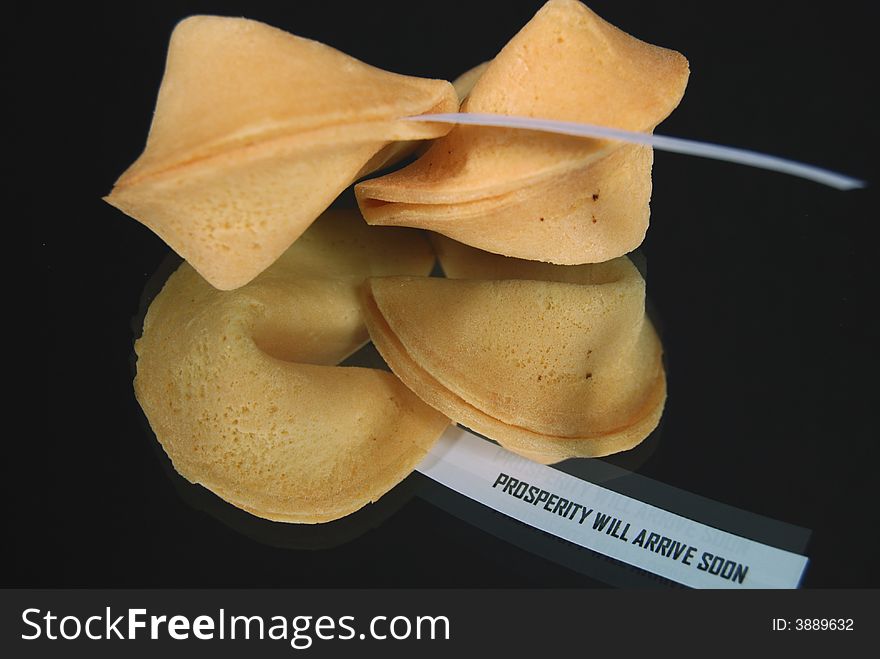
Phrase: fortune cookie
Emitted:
{"points": [[536, 195], [242, 390], [255, 133], [552, 362]]}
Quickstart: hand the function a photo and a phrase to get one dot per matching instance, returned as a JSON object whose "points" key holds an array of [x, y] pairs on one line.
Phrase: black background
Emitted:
{"points": [[764, 285]]}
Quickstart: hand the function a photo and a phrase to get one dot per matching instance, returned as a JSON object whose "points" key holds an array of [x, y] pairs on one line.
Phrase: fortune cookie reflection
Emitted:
{"points": [[552, 362], [255, 133], [242, 390], [537, 195]]}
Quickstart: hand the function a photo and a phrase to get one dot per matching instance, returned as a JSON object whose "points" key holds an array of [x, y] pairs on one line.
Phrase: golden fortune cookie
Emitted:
{"points": [[255, 133], [242, 389], [536, 195], [552, 362]]}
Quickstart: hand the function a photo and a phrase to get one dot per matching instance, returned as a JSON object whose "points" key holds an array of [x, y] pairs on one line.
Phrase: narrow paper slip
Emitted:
{"points": [[615, 525], [662, 142]]}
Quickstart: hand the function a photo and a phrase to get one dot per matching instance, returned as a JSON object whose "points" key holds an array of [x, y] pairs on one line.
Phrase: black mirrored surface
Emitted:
{"points": [[764, 287]]}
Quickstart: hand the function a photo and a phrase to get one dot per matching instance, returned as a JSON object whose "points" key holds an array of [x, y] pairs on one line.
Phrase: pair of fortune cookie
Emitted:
{"points": [[243, 393], [256, 131], [242, 389]]}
